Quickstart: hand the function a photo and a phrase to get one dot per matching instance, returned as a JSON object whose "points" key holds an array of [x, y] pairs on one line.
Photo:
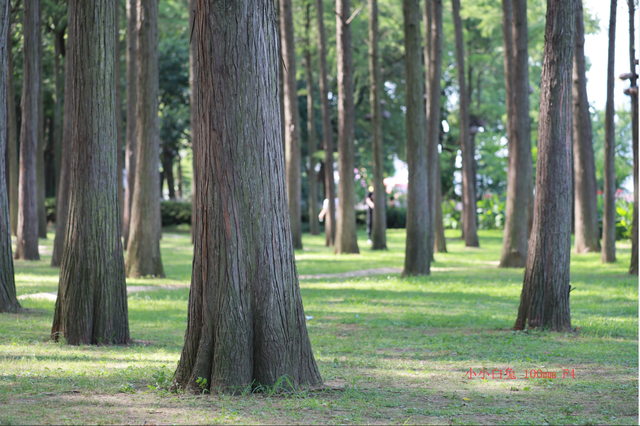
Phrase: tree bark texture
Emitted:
{"points": [[246, 325], [193, 69], [119, 134], [633, 269], [40, 183], [327, 130], [346, 237], [291, 121], [132, 102], [586, 229], [12, 138], [608, 253], [58, 44], [27, 239], [544, 301], [468, 160], [379, 225], [8, 300], [440, 243], [311, 132], [62, 198], [91, 307], [417, 259], [143, 250]]}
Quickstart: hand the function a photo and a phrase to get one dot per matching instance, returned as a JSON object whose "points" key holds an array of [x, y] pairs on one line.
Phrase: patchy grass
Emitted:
{"points": [[391, 350]]}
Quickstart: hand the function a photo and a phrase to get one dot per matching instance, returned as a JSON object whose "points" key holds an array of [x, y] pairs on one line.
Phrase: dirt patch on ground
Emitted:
{"points": [[130, 289]]}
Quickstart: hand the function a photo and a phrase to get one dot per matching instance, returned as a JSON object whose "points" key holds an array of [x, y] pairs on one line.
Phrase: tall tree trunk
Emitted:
{"points": [[167, 170], [346, 237], [58, 47], [119, 133], [468, 178], [179, 179], [132, 102], [193, 57], [280, 76], [40, 173], [417, 259], [292, 121], [379, 225], [327, 130], [545, 292], [12, 138], [143, 251], [62, 198], [246, 323], [633, 269], [433, 56], [27, 240], [8, 300], [608, 253], [586, 230], [91, 307], [311, 132]]}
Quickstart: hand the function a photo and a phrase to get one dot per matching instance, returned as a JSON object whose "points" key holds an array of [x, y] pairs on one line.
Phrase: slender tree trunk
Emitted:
{"points": [[27, 240], [433, 55], [246, 324], [8, 300], [545, 293], [143, 251], [608, 253], [311, 132], [58, 47], [193, 57], [417, 259], [167, 170], [119, 133], [179, 162], [346, 237], [40, 176], [586, 230], [91, 307], [440, 241], [292, 121], [633, 269], [379, 225], [132, 101], [327, 130], [468, 178], [62, 198], [12, 138]]}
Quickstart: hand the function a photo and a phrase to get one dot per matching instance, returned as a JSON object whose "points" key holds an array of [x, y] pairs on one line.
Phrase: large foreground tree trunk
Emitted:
{"points": [[291, 121], [468, 160], [327, 130], [544, 301], [246, 324], [311, 132], [40, 178], [27, 240], [143, 251], [586, 229], [417, 259], [58, 43], [8, 300], [193, 69], [91, 307], [132, 102], [12, 138], [379, 225], [608, 253], [119, 132], [633, 269], [346, 237]]}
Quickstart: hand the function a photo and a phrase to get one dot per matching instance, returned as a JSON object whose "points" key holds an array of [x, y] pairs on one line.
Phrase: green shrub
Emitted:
{"points": [[175, 212], [491, 212], [396, 218], [50, 206]]}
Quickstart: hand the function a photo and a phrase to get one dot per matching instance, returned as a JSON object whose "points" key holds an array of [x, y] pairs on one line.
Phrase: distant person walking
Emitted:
{"points": [[325, 208]]}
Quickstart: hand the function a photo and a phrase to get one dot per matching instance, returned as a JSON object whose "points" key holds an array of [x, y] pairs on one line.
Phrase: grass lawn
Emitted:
{"points": [[391, 350]]}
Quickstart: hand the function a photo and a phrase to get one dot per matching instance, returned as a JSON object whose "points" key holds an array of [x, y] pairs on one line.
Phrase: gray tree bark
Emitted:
{"points": [[417, 259], [291, 121], [42, 211], [327, 130], [12, 138], [246, 324], [633, 269], [193, 69], [58, 44], [544, 301], [311, 132], [119, 135], [132, 102], [586, 229], [143, 250], [346, 237], [608, 253], [27, 239]]}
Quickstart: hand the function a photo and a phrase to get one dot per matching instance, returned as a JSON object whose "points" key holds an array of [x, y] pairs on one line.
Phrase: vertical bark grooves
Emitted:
{"points": [[8, 300], [291, 120], [327, 130], [42, 211], [608, 253], [91, 307], [12, 137], [118, 82], [62, 197], [143, 250], [311, 132], [346, 238], [27, 239], [544, 301], [586, 229], [58, 43], [246, 325], [466, 146], [193, 57], [132, 101], [379, 225], [417, 259], [633, 269]]}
